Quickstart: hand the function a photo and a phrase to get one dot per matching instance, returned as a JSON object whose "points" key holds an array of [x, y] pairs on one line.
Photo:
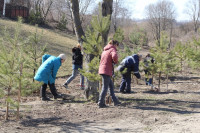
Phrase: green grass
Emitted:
{"points": [[56, 43]]}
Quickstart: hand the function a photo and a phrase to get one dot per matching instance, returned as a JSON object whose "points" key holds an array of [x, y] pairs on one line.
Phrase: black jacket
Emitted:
{"points": [[77, 58]]}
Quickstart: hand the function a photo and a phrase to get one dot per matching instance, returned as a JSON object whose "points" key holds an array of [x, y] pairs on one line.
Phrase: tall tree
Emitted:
{"points": [[76, 19], [119, 13], [4, 7], [193, 10], [106, 10], [160, 17]]}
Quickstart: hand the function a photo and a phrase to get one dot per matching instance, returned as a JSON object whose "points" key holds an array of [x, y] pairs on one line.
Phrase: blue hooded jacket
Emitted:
{"points": [[48, 70]]}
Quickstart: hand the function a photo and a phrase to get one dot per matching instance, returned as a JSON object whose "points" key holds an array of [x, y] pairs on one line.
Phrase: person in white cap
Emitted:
{"points": [[47, 74]]}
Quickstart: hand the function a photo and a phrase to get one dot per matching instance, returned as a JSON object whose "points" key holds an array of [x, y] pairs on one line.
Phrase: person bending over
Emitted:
{"points": [[47, 74]]}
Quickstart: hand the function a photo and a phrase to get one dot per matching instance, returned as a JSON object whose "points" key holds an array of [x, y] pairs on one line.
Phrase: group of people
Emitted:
{"points": [[50, 65]]}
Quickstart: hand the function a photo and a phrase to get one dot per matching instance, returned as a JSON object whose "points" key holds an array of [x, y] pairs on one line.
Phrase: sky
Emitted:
{"points": [[137, 8]]}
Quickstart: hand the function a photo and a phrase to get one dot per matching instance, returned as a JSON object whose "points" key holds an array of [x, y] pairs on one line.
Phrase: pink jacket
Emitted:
{"points": [[108, 57]]}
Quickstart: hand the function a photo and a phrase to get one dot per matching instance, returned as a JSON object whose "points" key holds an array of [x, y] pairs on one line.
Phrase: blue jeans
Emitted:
{"points": [[75, 72], [148, 81], [107, 82], [126, 82]]}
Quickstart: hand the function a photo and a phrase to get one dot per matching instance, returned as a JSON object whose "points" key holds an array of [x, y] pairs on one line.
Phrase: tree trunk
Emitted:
{"points": [[19, 92], [4, 8], [167, 80], [170, 36], [106, 10], [152, 82], [47, 11], [159, 81], [71, 16], [7, 104], [76, 19], [91, 87]]}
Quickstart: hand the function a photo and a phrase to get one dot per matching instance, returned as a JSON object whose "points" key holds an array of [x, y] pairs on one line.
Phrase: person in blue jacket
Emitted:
{"points": [[129, 64], [47, 74]]}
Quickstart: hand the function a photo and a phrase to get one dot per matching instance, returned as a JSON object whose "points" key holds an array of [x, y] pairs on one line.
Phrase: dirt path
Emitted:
{"points": [[141, 112]]}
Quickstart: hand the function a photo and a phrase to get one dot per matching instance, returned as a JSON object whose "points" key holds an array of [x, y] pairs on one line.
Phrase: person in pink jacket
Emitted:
{"points": [[108, 57]]}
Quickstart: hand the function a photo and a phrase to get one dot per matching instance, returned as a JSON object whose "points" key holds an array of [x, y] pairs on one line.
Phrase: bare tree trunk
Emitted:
{"points": [[71, 16], [19, 92], [106, 10], [91, 87], [7, 104], [76, 19], [47, 11], [152, 82], [171, 30], [159, 81], [167, 80], [4, 8]]}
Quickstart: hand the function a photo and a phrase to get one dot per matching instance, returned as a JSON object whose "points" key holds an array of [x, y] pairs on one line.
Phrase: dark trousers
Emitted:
{"points": [[147, 79], [107, 82], [52, 89], [126, 82]]}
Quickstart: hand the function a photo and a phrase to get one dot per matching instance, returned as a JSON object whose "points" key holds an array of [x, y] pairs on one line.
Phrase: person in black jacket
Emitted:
{"points": [[128, 65], [77, 61]]}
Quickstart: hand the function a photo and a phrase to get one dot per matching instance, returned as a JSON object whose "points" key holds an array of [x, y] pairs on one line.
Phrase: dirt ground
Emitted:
{"points": [[173, 110]]}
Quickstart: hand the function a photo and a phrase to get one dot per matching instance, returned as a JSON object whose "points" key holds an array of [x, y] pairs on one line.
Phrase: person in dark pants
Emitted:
{"points": [[148, 76], [129, 64], [108, 57], [47, 74], [77, 60], [147, 60]]}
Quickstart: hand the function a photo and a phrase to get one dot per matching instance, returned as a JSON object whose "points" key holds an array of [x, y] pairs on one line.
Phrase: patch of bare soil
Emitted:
{"points": [[173, 110]]}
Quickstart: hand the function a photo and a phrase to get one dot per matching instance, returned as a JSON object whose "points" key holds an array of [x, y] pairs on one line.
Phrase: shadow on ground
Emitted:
{"points": [[169, 105]]}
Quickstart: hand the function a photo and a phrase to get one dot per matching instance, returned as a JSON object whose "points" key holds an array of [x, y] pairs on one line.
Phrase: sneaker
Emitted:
{"points": [[82, 87], [45, 99], [122, 91], [58, 96], [64, 85]]}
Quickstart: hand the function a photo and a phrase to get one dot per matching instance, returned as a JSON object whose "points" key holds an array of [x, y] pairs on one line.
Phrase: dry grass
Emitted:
{"points": [[56, 43]]}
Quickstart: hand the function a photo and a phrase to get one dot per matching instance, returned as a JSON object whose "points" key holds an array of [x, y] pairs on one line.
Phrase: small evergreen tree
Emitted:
{"points": [[34, 50], [163, 59], [193, 53], [139, 37], [119, 35], [62, 24], [14, 71], [180, 54], [171, 65], [93, 46]]}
